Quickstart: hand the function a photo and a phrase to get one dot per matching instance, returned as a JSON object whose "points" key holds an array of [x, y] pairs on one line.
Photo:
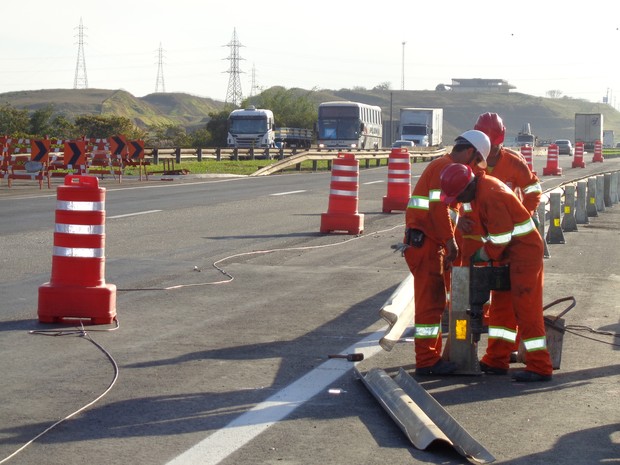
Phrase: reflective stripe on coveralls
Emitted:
{"points": [[426, 331], [498, 332]]}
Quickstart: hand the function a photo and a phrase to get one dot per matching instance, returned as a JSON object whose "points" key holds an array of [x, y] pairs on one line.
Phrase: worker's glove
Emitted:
{"points": [[480, 256], [400, 247]]}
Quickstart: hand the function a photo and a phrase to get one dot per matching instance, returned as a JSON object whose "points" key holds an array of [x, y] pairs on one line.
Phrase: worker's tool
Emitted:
{"points": [[470, 290], [483, 280], [349, 357]]}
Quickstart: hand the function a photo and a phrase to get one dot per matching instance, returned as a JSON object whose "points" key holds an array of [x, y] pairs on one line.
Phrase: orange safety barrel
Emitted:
{"points": [[399, 181], [77, 287], [342, 214]]}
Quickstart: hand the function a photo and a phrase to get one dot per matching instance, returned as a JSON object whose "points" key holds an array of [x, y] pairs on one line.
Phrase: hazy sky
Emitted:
{"points": [[536, 46]]}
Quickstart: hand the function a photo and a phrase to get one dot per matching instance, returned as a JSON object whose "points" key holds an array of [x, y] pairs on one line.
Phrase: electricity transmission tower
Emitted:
{"points": [[80, 81], [234, 94], [253, 85], [160, 71]]}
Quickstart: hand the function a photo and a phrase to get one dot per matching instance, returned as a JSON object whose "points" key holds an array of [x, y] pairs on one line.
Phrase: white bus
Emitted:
{"points": [[251, 128], [349, 125]]}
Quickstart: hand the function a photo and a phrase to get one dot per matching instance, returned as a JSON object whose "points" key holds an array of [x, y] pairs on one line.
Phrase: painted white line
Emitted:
{"points": [[146, 212], [373, 182], [215, 448], [287, 193]]}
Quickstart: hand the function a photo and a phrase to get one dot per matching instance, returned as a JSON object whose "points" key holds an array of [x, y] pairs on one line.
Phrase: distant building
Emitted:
{"points": [[477, 85]]}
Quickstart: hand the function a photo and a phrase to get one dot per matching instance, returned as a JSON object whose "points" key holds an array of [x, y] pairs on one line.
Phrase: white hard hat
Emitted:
{"points": [[480, 141]]}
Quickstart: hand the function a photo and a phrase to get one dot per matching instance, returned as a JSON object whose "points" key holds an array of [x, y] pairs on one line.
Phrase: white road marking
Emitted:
{"points": [[215, 448], [373, 182], [287, 193], [146, 212]]}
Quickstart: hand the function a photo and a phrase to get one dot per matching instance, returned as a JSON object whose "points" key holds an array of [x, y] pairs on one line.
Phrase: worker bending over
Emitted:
{"points": [[511, 236]]}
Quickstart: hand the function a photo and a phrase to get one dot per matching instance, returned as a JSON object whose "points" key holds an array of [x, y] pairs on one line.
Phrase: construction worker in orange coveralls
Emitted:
{"points": [[510, 236], [511, 168], [429, 248]]}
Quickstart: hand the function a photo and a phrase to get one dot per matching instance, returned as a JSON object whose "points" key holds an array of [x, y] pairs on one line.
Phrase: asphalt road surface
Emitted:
{"points": [[229, 301]]}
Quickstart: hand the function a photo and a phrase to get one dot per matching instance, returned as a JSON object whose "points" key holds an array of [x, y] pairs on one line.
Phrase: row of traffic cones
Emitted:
{"points": [[342, 211]]}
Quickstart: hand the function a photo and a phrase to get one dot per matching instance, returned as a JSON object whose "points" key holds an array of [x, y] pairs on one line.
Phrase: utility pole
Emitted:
{"points": [[80, 81], [402, 87], [160, 71], [234, 94]]}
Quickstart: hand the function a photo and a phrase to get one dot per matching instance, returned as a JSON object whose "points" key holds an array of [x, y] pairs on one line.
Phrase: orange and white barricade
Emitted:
{"points": [[553, 163], [342, 214], [399, 181], [578, 161], [598, 152], [526, 152], [77, 288]]}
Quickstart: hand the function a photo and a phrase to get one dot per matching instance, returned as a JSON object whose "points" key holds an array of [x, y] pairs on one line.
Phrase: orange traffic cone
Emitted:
{"points": [[77, 287], [526, 151], [598, 152], [399, 181], [342, 212], [553, 167], [578, 158]]}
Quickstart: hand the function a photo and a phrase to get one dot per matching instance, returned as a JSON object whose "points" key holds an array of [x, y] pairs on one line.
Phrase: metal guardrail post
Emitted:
{"points": [[281, 154], [315, 165], [236, 154], [218, 154], [155, 155], [199, 153], [177, 154], [251, 153]]}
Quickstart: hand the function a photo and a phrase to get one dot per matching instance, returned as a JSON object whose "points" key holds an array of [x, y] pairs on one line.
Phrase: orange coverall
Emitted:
{"points": [[512, 236], [429, 214], [512, 169]]}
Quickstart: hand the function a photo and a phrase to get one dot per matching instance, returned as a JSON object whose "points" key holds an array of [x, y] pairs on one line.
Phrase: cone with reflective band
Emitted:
{"points": [[553, 166], [399, 181], [598, 152], [77, 287], [526, 151], [578, 161], [342, 212]]}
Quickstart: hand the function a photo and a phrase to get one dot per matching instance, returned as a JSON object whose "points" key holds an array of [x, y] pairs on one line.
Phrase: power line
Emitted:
{"points": [[234, 94], [160, 71], [80, 81]]}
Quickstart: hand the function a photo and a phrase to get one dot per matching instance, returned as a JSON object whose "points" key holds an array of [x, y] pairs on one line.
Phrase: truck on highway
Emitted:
{"points": [[588, 129], [251, 127], [255, 128], [293, 137], [423, 126]]}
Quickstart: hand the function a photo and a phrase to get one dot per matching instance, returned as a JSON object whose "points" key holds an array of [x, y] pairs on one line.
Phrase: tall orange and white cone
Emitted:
{"points": [[526, 151], [77, 288], [342, 214], [553, 163], [598, 152], [399, 181], [578, 157]]}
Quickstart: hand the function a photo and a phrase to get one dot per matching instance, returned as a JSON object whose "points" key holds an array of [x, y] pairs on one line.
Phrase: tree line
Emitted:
{"points": [[291, 108]]}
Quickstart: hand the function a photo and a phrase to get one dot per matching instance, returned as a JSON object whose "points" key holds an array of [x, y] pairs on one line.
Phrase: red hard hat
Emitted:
{"points": [[454, 179], [493, 126]]}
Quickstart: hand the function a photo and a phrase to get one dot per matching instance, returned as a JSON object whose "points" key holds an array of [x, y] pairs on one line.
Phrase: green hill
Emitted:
{"points": [[173, 108], [549, 118]]}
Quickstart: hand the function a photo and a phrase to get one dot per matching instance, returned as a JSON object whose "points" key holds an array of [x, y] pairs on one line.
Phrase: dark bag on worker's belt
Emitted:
{"points": [[414, 237]]}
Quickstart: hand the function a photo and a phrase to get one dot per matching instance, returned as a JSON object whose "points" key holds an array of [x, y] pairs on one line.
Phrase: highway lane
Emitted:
{"points": [[196, 357]]}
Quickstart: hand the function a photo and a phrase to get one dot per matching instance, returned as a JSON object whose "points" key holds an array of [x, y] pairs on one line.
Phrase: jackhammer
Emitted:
{"points": [[483, 280]]}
